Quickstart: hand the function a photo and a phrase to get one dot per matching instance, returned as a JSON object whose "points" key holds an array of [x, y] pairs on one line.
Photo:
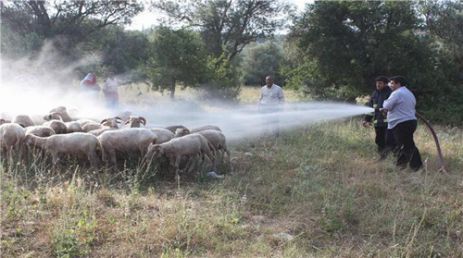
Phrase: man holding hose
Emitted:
{"points": [[401, 117]]}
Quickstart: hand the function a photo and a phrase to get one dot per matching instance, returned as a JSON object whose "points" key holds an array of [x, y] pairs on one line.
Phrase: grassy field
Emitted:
{"points": [[313, 192]]}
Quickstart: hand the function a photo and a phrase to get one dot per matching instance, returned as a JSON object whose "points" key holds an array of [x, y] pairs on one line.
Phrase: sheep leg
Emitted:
{"points": [[93, 158], [177, 169], [55, 159]]}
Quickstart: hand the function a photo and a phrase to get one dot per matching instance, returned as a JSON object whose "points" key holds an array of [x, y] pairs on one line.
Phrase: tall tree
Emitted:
{"points": [[72, 20], [227, 25], [346, 44], [177, 56]]}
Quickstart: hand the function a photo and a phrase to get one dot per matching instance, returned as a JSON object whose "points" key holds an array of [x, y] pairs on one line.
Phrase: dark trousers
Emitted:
{"points": [[385, 141], [408, 153]]}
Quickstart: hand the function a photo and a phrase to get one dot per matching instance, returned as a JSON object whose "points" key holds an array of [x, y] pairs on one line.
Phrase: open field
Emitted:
{"points": [[314, 191]]}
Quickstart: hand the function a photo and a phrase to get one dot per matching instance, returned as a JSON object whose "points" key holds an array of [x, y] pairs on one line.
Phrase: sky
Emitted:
{"points": [[148, 18]]}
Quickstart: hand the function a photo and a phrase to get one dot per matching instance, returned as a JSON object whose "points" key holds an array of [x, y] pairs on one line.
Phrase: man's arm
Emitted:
{"points": [[390, 103], [281, 96]]}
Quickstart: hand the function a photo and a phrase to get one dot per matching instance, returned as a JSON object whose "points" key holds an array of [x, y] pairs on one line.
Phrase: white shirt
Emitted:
{"points": [[272, 95], [400, 106]]}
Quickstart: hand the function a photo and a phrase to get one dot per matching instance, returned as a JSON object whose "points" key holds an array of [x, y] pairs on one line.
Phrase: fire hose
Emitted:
{"points": [[436, 140]]}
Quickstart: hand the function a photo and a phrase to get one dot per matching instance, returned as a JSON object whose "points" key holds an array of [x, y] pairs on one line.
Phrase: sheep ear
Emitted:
{"points": [[143, 120], [103, 121], [118, 118], [126, 122]]}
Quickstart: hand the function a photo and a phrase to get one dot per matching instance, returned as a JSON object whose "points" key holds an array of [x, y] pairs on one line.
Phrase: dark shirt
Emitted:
{"points": [[376, 102]]}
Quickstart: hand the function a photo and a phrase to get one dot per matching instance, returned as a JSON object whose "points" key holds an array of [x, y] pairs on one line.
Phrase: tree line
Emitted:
{"points": [[332, 50]]}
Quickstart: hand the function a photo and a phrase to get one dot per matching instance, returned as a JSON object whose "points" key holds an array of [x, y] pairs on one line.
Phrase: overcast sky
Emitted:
{"points": [[148, 18]]}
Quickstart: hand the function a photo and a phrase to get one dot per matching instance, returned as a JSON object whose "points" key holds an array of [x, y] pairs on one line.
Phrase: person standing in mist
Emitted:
{"points": [[89, 85], [384, 137], [110, 91], [401, 117], [271, 101]]}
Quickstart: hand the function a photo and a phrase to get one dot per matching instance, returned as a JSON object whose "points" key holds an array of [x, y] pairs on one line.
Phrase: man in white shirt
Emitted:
{"points": [[271, 101], [271, 95], [400, 108]]}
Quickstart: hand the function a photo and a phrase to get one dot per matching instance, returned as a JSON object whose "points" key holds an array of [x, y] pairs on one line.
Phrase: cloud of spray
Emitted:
{"points": [[35, 86], [243, 121]]}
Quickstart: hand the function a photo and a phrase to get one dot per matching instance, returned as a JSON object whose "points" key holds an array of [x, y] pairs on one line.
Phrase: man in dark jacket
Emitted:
{"points": [[384, 137]]}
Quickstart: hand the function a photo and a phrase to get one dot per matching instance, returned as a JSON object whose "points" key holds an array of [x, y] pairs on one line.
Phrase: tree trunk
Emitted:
{"points": [[172, 89]]}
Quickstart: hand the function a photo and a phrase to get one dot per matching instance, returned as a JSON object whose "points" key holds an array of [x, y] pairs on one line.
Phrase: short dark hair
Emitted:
{"points": [[381, 79], [399, 79]]}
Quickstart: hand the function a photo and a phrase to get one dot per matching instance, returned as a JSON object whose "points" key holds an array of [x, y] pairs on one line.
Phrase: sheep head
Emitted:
{"points": [[179, 132], [53, 116], [136, 121], [111, 122]]}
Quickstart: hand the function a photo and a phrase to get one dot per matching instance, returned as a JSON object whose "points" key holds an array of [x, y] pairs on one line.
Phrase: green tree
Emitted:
{"points": [[261, 60], [345, 45], [66, 22], [227, 25], [176, 56]]}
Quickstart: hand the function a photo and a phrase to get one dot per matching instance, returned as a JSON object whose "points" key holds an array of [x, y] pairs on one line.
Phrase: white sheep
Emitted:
{"points": [[173, 128], [58, 126], [11, 137], [135, 122], [163, 135], [90, 126], [74, 144], [127, 140], [62, 111], [4, 121], [216, 138], [40, 130], [218, 141], [106, 125], [23, 120], [189, 146], [205, 127], [73, 127]]}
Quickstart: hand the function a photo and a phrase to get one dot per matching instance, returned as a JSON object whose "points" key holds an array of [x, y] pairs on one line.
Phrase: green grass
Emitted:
{"points": [[318, 184]]}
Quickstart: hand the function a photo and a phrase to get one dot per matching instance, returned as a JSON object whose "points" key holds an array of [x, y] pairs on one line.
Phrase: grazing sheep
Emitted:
{"points": [[135, 122], [106, 125], [40, 130], [163, 135], [74, 144], [62, 111], [85, 121], [58, 126], [23, 120], [73, 127], [173, 128], [215, 138], [53, 116], [90, 126], [190, 146], [4, 121], [11, 137], [205, 127], [127, 140]]}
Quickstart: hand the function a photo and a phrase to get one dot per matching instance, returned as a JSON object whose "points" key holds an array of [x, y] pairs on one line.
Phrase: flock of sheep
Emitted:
{"points": [[112, 140]]}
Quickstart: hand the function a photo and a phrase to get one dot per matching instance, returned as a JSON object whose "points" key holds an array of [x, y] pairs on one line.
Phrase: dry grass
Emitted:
{"points": [[312, 192]]}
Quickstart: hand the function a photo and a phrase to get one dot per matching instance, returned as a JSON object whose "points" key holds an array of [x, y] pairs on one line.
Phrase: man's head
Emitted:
{"points": [[396, 82], [381, 82], [269, 81]]}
